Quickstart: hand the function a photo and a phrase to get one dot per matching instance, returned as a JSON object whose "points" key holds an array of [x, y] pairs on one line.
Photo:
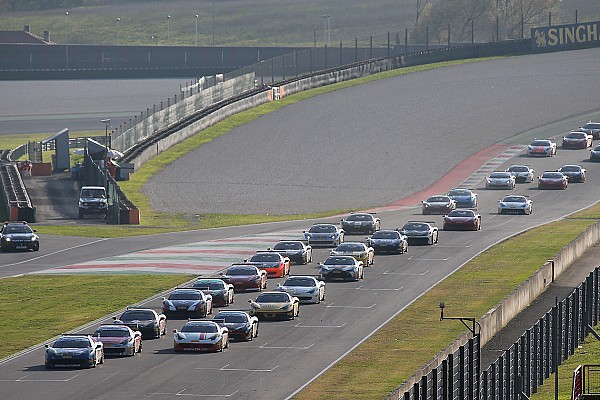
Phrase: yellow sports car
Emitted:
{"points": [[274, 305], [358, 250]]}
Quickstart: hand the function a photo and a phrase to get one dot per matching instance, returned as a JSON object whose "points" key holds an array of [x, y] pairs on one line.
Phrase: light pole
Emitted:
{"points": [[106, 123], [168, 29], [67, 39], [326, 29], [196, 29], [118, 29]]}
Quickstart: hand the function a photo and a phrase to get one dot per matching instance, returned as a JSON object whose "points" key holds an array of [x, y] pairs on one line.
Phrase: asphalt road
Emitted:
{"points": [[79, 105], [286, 354], [369, 145]]}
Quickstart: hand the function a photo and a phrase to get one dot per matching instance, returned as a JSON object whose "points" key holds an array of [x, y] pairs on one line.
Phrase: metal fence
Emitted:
{"points": [[523, 367]]}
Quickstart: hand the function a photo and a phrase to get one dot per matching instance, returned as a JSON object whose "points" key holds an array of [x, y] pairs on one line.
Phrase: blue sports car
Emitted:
{"points": [[465, 198], [74, 351]]}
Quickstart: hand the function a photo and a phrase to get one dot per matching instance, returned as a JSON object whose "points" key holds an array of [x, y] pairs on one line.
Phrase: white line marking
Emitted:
{"points": [[264, 346], [225, 368], [299, 325], [378, 289], [180, 393], [359, 307], [405, 273], [429, 259], [438, 246], [39, 380]]}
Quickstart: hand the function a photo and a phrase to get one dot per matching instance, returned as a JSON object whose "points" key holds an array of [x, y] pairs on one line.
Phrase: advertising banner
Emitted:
{"points": [[562, 37]]}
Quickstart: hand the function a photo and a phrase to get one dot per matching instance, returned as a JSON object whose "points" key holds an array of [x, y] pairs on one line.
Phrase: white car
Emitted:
{"points": [[522, 173], [275, 304], [515, 204], [542, 147], [201, 335], [358, 250], [440, 204], [500, 180], [324, 235], [306, 288], [341, 267]]}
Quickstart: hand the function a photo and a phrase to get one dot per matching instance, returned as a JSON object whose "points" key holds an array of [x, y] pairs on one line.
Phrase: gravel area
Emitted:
{"points": [[372, 144]]}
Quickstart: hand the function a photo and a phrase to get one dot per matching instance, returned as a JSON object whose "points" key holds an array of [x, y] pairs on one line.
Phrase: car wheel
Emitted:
{"points": [[36, 246], [436, 239], [227, 343], [141, 347], [101, 359], [48, 365]]}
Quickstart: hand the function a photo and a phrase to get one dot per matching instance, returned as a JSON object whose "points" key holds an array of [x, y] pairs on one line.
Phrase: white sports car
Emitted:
{"points": [[201, 335], [515, 204], [522, 173], [275, 304], [500, 180], [307, 289]]}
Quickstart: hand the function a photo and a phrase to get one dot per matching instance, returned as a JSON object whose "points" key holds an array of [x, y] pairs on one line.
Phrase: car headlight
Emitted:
{"points": [[326, 267], [285, 307], [7, 239], [312, 291]]}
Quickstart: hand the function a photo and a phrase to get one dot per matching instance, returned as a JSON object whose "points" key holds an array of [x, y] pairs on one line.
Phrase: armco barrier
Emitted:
{"points": [[508, 308]]}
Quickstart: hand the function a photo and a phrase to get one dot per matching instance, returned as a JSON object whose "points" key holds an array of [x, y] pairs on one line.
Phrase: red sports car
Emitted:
{"points": [[462, 220], [245, 276], [276, 265], [576, 140], [553, 180]]}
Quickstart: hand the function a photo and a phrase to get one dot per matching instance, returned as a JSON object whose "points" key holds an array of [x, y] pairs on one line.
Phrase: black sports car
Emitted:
{"points": [[18, 236]]}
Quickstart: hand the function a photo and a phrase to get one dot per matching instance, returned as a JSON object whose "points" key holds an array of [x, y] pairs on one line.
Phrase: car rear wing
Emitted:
{"points": [[318, 277]]}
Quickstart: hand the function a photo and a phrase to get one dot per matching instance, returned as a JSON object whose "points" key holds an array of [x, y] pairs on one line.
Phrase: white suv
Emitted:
{"points": [[92, 200]]}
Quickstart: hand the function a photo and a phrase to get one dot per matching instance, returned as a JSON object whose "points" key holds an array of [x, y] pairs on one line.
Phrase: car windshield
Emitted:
{"points": [[262, 257], [298, 281], [359, 217], [210, 285], [350, 247], [461, 213], [323, 229], [339, 261], [137, 315], [438, 199], [576, 135], [200, 327], [231, 318], [20, 228], [103, 332], [288, 246], [592, 125], [186, 295], [499, 175], [386, 235], [72, 343], [273, 298], [92, 193], [459, 192], [570, 168], [514, 199], [541, 143], [416, 226], [597, 148], [553, 175], [241, 271], [518, 168]]}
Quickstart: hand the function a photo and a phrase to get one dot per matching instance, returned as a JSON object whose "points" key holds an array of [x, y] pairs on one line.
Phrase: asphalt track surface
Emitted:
{"points": [[370, 145], [79, 105], [289, 353]]}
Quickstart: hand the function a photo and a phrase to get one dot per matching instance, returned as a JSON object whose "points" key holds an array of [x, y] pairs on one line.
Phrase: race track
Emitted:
{"points": [[372, 144]]}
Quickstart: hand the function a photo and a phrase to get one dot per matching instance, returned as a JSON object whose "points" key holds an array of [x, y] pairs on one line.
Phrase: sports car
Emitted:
{"points": [[296, 250], [307, 289], [221, 292], [388, 241], [74, 351], [201, 335], [119, 339], [341, 267], [324, 235], [460, 219], [245, 276], [276, 265], [500, 180], [274, 305], [358, 250], [522, 173], [595, 154], [145, 320], [360, 223], [18, 236], [438, 205], [577, 140], [542, 147], [592, 128], [419, 231], [240, 324], [187, 302], [553, 180], [574, 173], [515, 204], [464, 198]]}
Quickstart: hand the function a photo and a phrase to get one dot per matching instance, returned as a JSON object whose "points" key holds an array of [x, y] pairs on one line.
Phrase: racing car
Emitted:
{"points": [[595, 154], [388, 241], [464, 198], [187, 302], [500, 180], [592, 128], [275, 305], [324, 235], [577, 140], [201, 335], [574, 173], [296, 250], [462, 219], [240, 324], [18, 236], [360, 223], [420, 231], [74, 351], [119, 339], [306, 288], [145, 320], [515, 204], [553, 180], [522, 173], [341, 267], [542, 147], [245, 276], [358, 250], [438, 204], [222, 293], [276, 265]]}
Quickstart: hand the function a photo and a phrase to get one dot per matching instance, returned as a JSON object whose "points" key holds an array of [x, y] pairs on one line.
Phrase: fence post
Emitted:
{"points": [[370, 47], [576, 16], [325, 57], [310, 55], [472, 33], [427, 38], [341, 61], [388, 45], [448, 34], [355, 49], [272, 70], [405, 40]]}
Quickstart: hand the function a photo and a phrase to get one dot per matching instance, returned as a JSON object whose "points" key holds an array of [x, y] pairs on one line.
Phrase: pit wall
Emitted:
{"points": [[498, 317]]}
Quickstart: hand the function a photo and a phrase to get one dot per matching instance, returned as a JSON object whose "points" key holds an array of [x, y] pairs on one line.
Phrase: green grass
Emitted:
{"points": [[47, 305]]}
